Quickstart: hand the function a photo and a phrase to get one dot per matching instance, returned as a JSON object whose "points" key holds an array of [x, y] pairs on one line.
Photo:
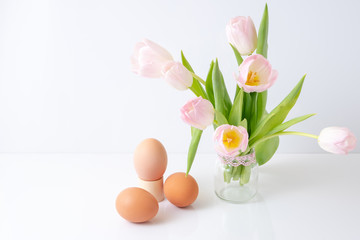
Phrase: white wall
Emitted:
{"points": [[66, 84]]}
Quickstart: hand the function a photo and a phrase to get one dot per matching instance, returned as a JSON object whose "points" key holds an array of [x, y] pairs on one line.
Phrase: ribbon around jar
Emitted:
{"points": [[246, 160]]}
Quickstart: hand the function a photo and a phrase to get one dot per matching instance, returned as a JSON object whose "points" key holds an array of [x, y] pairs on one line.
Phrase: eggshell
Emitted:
{"points": [[181, 190], [150, 159], [136, 205]]}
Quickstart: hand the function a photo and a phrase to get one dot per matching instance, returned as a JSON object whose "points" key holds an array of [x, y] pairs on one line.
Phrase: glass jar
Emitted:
{"points": [[236, 178]]}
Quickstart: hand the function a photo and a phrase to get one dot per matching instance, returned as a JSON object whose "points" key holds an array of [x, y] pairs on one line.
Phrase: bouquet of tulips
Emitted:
{"points": [[241, 124]]}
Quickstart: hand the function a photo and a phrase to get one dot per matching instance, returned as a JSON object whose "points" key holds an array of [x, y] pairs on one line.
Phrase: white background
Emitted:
{"points": [[66, 84]]}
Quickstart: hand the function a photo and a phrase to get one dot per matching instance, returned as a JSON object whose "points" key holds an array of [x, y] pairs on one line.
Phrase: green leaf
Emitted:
{"points": [[245, 175], [262, 45], [227, 100], [237, 91], [289, 123], [186, 63], [235, 115], [195, 139], [265, 150], [253, 117], [221, 96], [278, 114], [217, 88], [243, 123], [196, 87], [247, 106], [238, 57], [209, 84], [261, 105], [220, 118]]}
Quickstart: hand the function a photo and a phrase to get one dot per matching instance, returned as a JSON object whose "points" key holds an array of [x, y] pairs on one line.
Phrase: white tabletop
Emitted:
{"points": [[72, 196]]}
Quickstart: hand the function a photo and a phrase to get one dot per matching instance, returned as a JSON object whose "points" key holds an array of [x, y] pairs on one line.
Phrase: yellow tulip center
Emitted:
{"points": [[231, 139], [252, 79]]}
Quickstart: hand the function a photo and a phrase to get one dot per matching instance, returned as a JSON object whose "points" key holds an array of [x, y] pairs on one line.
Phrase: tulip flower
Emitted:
{"points": [[241, 33], [177, 75], [149, 58], [198, 113], [338, 140], [230, 140], [256, 74]]}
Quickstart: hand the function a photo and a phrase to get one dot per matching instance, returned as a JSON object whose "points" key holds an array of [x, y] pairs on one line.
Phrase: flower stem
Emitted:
{"points": [[198, 78], [283, 133], [245, 175]]}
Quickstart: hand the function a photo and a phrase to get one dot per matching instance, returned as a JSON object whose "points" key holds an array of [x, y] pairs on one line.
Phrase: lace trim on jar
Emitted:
{"points": [[246, 160]]}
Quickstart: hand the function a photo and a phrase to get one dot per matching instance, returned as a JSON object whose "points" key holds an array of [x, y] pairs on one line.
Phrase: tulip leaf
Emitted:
{"points": [[218, 89], [265, 150], [186, 63], [262, 45], [209, 84], [227, 100], [253, 119], [238, 57], [246, 106], [195, 139], [239, 60], [235, 115], [261, 105], [237, 91], [221, 96], [278, 114], [220, 118], [289, 123], [243, 123], [196, 86]]}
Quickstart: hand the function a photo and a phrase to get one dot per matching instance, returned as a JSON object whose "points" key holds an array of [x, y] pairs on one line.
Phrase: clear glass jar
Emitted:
{"points": [[236, 178]]}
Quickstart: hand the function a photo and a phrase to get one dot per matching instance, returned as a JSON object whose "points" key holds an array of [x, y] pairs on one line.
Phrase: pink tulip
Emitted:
{"points": [[256, 74], [230, 140], [177, 75], [241, 33], [338, 140], [149, 58], [198, 113]]}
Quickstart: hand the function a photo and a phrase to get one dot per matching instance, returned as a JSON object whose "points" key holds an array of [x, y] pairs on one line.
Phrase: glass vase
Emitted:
{"points": [[236, 178]]}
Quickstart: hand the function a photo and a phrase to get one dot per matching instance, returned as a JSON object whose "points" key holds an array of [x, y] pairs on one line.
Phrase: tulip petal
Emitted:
{"points": [[230, 141], [338, 140], [149, 58], [256, 74], [160, 51], [177, 75], [198, 113], [241, 34]]}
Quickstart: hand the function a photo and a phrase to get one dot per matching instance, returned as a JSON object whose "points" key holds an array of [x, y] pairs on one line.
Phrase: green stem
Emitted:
{"points": [[301, 134], [283, 133], [237, 173], [245, 175], [228, 173], [198, 78]]}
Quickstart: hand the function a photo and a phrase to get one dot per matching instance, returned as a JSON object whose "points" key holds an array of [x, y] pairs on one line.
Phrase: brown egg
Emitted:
{"points": [[136, 205], [181, 190], [150, 159]]}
